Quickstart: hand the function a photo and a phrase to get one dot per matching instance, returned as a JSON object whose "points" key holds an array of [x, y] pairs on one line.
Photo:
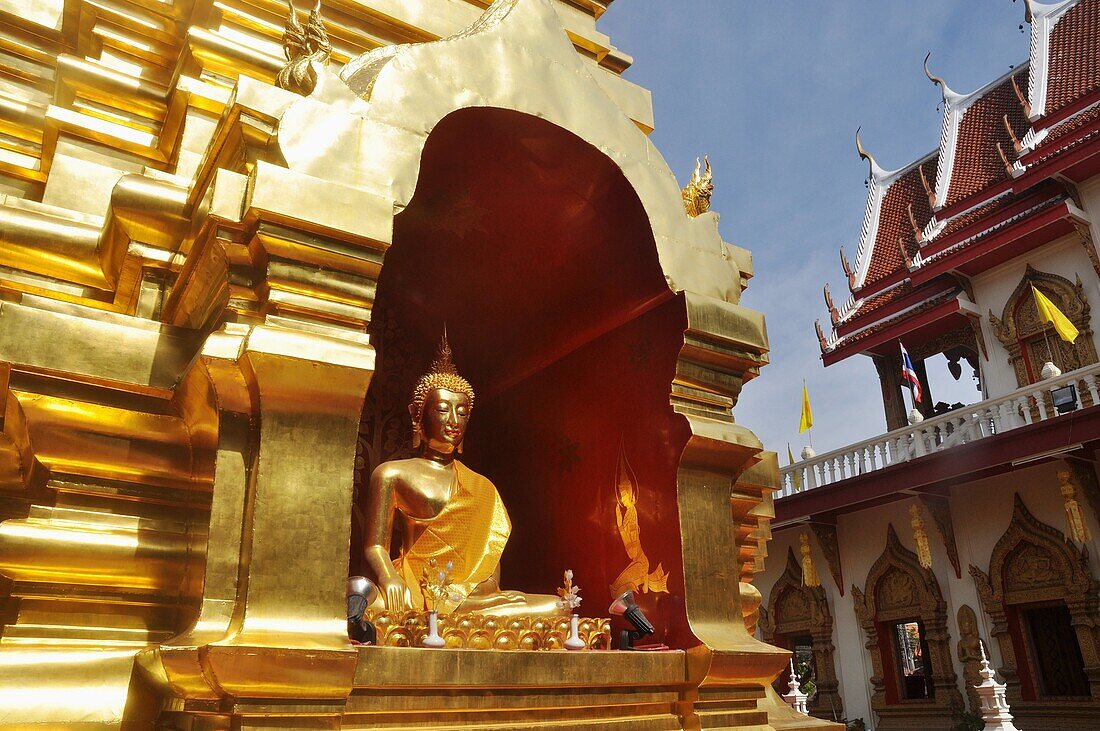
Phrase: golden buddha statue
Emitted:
{"points": [[445, 512]]}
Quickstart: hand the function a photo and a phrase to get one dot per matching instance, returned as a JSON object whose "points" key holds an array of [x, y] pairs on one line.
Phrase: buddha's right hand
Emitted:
{"points": [[396, 594]]}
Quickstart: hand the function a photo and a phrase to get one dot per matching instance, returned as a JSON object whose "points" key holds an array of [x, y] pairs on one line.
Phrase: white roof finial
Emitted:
{"points": [[874, 170], [937, 80]]}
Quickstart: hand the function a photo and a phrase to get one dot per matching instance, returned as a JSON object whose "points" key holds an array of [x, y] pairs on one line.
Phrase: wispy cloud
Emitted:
{"points": [[773, 91]]}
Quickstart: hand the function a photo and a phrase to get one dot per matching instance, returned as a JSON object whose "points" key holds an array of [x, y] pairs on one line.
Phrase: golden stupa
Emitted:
{"points": [[228, 242]]}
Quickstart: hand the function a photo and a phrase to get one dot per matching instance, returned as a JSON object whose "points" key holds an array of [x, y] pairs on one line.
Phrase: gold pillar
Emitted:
{"points": [[272, 624]]}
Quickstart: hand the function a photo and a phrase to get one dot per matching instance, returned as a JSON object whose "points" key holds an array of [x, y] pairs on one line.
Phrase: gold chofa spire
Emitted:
{"points": [[697, 192], [442, 373]]}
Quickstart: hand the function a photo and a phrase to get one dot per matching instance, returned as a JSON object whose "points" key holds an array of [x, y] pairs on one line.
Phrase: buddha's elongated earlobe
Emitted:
{"points": [[416, 415]]}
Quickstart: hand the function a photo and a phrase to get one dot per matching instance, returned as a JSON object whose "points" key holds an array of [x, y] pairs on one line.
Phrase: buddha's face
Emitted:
{"points": [[443, 424]]}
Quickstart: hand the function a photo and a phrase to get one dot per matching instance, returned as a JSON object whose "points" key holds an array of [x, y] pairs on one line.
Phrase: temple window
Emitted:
{"points": [[1031, 342], [797, 618], [910, 653], [904, 616], [1053, 653], [1042, 599]]}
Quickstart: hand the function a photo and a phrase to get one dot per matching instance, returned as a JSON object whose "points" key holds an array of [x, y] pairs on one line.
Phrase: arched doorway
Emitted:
{"points": [[904, 617], [534, 250], [798, 619], [1045, 605]]}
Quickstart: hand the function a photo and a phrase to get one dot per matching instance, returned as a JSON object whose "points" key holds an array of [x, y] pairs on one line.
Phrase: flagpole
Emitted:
{"points": [[912, 394], [809, 429]]}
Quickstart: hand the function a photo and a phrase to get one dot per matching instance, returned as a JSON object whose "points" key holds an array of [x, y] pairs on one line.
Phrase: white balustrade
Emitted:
{"points": [[1028, 405]]}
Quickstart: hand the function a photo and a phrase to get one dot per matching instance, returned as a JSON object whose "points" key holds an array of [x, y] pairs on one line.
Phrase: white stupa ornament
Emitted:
{"points": [[794, 697], [995, 710]]}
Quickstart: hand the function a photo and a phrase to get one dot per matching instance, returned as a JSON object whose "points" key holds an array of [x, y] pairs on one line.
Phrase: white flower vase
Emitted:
{"points": [[433, 639], [574, 642]]}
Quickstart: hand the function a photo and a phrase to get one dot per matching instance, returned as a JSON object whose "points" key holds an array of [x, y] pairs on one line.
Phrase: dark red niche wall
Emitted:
{"points": [[555, 446]]}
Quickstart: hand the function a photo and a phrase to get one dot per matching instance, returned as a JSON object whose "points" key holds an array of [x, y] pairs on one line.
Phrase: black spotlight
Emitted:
{"points": [[1065, 399], [361, 591], [624, 606]]}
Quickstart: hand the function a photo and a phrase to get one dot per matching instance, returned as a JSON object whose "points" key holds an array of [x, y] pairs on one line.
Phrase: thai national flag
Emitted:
{"points": [[908, 374]]}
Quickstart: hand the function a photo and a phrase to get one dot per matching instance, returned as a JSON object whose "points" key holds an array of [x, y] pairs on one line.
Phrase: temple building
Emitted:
{"points": [[964, 525], [255, 263]]}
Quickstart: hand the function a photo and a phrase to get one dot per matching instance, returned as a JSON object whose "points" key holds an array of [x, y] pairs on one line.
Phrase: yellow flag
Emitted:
{"points": [[796, 476], [807, 415], [1048, 312]]}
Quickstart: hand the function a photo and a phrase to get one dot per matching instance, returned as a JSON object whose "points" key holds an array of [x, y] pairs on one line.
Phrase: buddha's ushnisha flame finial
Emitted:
{"points": [[442, 373], [443, 362]]}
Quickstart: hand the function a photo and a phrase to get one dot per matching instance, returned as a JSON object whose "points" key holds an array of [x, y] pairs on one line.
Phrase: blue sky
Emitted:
{"points": [[773, 92]]}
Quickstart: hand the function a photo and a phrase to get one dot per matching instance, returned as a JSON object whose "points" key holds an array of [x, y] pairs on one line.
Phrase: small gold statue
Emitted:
{"points": [[446, 513], [809, 571], [697, 192], [1075, 519]]}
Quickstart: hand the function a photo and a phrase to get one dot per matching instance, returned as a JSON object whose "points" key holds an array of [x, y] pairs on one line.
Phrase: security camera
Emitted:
{"points": [[624, 606], [361, 593]]}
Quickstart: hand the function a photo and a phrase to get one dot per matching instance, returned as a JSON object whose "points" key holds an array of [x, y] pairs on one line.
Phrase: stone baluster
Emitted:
{"points": [[919, 448], [1041, 403], [982, 424], [996, 417], [1090, 383]]}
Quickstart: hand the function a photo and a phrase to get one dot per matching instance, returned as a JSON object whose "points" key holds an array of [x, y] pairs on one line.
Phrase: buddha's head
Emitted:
{"points": [[441, 404]]}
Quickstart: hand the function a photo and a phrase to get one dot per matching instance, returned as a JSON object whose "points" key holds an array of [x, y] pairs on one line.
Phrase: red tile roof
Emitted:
{"points": [[978, 170], [877, 327], [964, 219], [1068, 127], [1074, 59], [977, 164], [894, 222], [884, 298]]}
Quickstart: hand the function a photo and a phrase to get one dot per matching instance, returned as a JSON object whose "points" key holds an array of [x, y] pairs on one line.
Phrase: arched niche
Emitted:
{"points": [[1026, 337], [796, 612], [899, 592], [535, 252], [517, 60], [1039, 591]]}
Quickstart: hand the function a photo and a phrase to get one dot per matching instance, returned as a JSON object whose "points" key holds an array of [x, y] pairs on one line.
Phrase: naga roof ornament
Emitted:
{"points": [[302, 47], [699, 189]]}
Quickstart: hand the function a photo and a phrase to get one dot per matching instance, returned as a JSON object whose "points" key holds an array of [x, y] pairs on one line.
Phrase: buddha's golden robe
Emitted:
{"points": [[470, 532]]}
